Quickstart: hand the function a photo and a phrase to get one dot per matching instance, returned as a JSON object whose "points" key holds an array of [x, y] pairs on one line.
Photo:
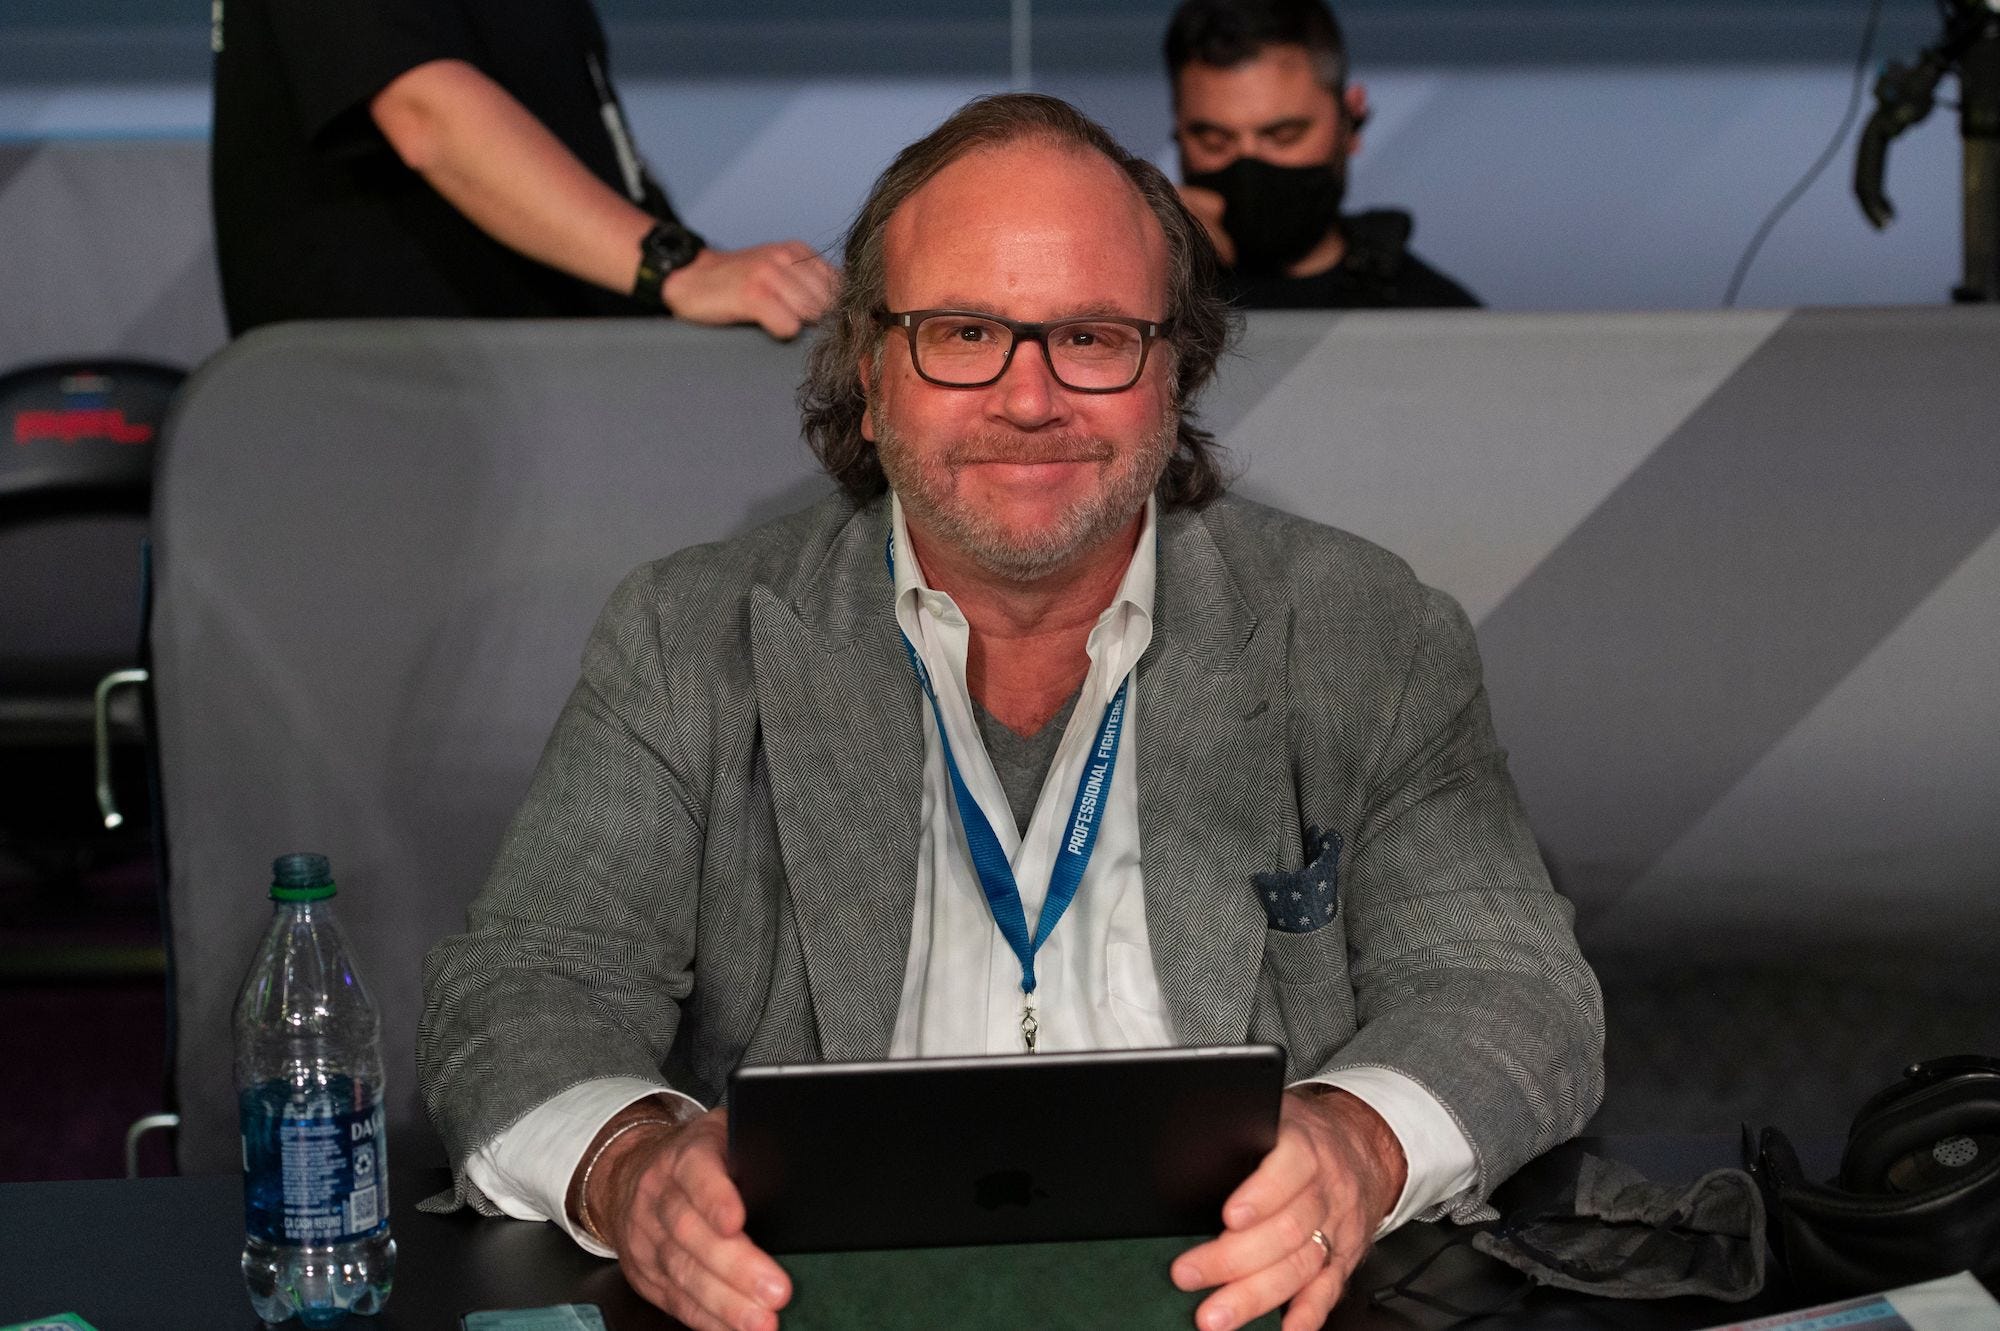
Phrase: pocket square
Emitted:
{"points": [[1298, 901]]}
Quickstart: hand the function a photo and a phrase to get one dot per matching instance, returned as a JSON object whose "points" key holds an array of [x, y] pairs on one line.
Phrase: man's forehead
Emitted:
{"points": [[1278, 82], [1013, 179], [1025, 209]]}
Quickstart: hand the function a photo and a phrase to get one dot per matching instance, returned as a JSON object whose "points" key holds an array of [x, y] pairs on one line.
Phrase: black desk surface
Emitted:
{"points": [[161, 1255]]}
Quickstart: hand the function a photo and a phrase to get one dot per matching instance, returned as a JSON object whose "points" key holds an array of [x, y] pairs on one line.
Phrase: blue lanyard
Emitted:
{"points": [[1073, 852]]}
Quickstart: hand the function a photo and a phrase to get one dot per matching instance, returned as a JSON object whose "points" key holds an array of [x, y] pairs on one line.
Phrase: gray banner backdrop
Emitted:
{"points": [[1733, 577], [1762, 551]]}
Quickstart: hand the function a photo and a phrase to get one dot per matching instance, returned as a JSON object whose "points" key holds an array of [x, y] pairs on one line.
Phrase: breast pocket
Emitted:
{"points": [[1305, 954]]}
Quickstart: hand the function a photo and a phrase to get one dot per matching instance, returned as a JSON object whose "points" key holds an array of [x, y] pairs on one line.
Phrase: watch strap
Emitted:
{"points": [[662, 250]]}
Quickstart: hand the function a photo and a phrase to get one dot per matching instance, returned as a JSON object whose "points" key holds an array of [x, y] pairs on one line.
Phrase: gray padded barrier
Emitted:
{"points": [[1733, 576]]}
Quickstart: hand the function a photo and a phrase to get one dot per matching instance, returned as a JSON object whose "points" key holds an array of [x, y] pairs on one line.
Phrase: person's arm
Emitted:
{"points": [[527, 1172], [1464, 961], [558, 1006], [655, 1189], [493, 161], [1467, 981], [1440, 1164], [1299, 1225], [607, 1162]]}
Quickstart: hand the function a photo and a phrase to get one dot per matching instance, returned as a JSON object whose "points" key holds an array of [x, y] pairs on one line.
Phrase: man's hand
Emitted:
{"points": [[1337, 1169], [1206, 205], [662, 1199], [781, 287]]}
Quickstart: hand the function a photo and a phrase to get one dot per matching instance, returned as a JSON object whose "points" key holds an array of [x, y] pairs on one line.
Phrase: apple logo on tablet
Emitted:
{"points": [[1005, 1187]]}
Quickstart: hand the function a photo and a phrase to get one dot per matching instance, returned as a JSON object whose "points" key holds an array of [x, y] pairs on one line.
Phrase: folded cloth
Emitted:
{"points": [[1623, 1236], [1298, 901]]}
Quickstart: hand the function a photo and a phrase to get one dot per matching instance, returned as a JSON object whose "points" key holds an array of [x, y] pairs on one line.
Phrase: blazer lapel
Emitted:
{"points": [[1215, 796], [843, 737]]}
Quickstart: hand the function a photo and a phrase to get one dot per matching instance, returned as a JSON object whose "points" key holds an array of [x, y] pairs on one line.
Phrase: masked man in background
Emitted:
{"points": [[1266, 121]]}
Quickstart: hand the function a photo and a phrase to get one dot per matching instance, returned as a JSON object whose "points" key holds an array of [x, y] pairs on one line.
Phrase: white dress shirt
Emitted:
{"points": [[1096, 987]]}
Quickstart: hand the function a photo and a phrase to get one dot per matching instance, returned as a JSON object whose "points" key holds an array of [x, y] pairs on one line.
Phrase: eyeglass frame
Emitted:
{"points": [[1149, 330]]}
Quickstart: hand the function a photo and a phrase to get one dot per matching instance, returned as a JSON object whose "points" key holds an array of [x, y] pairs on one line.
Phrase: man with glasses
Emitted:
{"points": [[1266, 121], [816, 779]]}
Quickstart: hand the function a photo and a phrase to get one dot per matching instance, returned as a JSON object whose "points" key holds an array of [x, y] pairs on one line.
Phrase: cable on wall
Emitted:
{"points": [[1813, 173]]}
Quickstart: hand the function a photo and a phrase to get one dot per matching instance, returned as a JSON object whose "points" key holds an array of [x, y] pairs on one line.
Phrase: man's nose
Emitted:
{"points": [[1029, 396]]}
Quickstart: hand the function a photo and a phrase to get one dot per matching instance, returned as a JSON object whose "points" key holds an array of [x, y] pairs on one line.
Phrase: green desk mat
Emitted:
{"points": [[1110, 1283]]}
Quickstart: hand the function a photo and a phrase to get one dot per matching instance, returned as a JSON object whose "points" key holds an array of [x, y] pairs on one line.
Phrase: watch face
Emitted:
{"points": [[668, 247]]}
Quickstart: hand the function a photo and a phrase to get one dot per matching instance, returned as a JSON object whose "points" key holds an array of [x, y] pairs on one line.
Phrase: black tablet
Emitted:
{"points": [[1024, 1148]]}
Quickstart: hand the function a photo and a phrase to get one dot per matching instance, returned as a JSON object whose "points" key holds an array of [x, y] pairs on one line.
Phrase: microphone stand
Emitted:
{"points": [[1906, 94], [1979, 125]]}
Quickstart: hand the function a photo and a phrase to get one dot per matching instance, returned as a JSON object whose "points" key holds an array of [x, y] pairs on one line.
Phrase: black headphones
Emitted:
{"points": [[1918, 1193]]}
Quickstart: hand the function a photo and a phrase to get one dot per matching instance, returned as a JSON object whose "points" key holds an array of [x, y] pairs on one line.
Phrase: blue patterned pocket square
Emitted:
{"points": [[1298, 901]]}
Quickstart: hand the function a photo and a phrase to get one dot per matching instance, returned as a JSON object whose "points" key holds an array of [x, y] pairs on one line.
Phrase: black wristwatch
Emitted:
{"points": [[668, 246]]}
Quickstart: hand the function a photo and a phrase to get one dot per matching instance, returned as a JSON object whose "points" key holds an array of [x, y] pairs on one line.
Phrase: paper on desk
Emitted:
{"points": [[557, 1317], [1955, 1303]]}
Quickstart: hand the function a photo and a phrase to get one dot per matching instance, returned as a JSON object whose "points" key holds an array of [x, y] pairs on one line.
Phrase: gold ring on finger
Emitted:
{"points": [[1325, 1248]]}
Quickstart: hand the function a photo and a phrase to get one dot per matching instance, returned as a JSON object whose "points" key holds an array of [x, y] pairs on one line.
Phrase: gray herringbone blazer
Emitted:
{"points": [[716, 861]]}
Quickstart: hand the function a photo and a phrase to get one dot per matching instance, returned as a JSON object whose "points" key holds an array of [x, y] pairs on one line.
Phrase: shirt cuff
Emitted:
{"points": [[526, 1170], [1441, 1163]]}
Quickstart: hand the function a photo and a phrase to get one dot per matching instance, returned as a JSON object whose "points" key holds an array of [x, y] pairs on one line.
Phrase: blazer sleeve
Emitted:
{"points": [[579, 948], [1463, 958]]}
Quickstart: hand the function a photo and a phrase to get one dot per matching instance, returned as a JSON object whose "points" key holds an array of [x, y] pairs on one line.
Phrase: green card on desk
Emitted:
{"points": [[1103, 1282]]}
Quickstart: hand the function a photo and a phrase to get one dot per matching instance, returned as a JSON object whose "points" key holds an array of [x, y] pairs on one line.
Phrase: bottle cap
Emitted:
{"points": [[301, 878]]}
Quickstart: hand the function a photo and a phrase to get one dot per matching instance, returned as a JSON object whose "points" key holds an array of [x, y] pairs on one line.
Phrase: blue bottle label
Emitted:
{"points": [[313, 1177]]}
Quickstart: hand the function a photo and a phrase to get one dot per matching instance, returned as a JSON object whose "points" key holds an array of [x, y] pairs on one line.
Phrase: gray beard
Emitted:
{"points": [[927, 490]]}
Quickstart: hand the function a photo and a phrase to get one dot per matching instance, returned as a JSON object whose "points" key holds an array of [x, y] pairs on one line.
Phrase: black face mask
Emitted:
{"points": [[1274, 214]]}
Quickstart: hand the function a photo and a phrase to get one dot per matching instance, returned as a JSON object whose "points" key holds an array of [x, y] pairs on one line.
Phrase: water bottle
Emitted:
{"points": [[309, 1089]]}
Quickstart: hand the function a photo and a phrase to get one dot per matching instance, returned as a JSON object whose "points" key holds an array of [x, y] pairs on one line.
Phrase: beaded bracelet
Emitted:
{"points": [[583, 1189]]}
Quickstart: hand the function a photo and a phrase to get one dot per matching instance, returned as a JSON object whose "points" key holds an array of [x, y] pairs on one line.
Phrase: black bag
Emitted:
{"points": [[1917, 1196]]}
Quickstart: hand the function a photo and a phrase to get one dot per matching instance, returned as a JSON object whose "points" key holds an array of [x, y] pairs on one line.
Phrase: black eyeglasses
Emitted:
{"points": [[960, 349]]}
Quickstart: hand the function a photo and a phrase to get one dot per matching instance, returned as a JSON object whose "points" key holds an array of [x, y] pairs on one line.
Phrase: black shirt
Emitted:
{"points": [[315, 215], [1377, 272]]}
